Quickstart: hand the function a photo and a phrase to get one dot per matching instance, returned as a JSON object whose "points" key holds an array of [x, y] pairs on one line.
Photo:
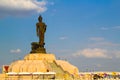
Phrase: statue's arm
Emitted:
{"points": [[45, 27], [37, 29]]}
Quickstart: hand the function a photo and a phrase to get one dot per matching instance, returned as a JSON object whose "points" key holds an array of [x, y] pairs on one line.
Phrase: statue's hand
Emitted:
{"points": [[37, 34]]}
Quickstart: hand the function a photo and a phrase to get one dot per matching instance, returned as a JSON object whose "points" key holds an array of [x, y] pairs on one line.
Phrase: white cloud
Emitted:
{"points": [[110, 28], [51, 3], [104, 28], [21, 7], [96, 38], [98, 65], [92, 53], [108, 44], [117, 54], [15, 51], [100, 41], [116, 27], [63, 38]]}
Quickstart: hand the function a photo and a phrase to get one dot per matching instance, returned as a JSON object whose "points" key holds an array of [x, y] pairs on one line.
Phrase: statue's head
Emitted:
{"points": [[40, 18]]}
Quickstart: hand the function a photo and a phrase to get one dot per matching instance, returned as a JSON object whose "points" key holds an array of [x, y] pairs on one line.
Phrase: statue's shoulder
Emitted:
{"points": [[44, 24], [37, 23]]}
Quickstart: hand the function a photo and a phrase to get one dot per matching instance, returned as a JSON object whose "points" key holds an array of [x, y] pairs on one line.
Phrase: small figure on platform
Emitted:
{"points": [[41, 29]]}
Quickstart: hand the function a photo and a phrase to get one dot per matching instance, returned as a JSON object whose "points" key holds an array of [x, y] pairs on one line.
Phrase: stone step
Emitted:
{"points": [[56, 68]]}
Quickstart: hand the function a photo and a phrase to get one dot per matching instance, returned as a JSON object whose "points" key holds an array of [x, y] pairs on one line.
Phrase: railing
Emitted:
{"points": [[26, 79], [1, 78]]}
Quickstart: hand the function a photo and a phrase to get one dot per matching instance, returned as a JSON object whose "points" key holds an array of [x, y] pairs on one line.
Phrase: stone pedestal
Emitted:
{"points": [[37, 48], [41, 63]]}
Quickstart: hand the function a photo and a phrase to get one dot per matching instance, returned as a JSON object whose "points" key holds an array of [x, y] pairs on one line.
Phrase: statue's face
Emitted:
{"points": [[40, 19]]}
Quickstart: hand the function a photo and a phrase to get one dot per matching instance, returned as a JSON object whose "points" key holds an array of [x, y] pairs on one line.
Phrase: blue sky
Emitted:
{"points": [[83, 32]]}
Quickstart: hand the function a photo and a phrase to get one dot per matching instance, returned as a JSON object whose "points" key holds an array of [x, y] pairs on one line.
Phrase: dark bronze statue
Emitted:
{"points": [[40, 29], [38, 47]]}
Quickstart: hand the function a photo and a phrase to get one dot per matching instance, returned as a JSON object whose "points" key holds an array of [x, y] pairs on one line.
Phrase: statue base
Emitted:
{"points": [[37, 48]]}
